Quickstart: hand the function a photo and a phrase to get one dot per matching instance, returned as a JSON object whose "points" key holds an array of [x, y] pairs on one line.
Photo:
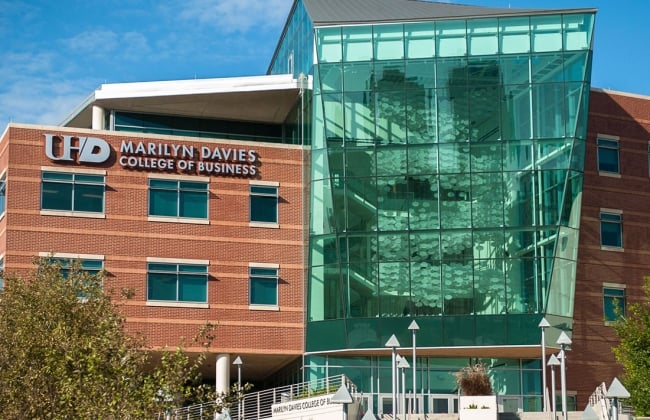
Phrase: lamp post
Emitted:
{"points": [[563, 341], [393, 344], [414, 327], [615, 391], [552, 362], [543, 325], [238, 363], [403, 364]]}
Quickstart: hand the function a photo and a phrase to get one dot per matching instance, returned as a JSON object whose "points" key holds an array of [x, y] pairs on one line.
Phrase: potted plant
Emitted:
{"points": [[476, 400]]}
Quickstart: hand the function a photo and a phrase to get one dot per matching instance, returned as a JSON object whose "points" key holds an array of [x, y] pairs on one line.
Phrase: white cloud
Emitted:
{"points": [[228, 16]]}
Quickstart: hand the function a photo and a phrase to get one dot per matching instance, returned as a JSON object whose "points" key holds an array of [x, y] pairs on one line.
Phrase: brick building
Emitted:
{"points": [[401, 160]]}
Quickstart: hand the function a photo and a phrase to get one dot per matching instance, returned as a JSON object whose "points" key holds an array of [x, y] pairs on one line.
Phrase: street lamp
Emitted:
{"points": [[238, 363], [393, 344], [402, 364], [615, 391], [414, 327], [552, 362], [543, 325], [563, 341]]}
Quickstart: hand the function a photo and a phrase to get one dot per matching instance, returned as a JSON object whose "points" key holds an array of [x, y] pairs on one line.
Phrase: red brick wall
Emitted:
{"points": [[126, 238], [591, 360]]}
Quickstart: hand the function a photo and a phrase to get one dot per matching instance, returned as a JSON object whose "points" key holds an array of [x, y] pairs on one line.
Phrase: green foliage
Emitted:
{"points": [[474, 380], [64, 353], [634, 351]]}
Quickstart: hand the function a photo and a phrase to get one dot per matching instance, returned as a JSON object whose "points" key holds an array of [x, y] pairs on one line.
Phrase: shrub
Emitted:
{"points": [[473, 380]]}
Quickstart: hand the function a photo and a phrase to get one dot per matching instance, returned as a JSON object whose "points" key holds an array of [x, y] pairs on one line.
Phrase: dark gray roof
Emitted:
{"points": [[338, 12]]}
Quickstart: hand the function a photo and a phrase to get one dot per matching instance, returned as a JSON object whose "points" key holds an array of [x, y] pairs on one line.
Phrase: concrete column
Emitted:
{"points": [[222, 366], [98, 118]]}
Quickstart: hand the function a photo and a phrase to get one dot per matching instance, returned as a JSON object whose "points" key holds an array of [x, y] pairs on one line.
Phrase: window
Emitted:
{"points": [[608, 155], [3, 192], [92, 267], [264, 203], [613, 298], [177, 282], [263, 285], [91, 264], [73, 192], [611, 229], [178, 198]]}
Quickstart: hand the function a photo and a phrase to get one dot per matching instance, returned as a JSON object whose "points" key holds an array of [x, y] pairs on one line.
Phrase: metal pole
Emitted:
{"points": [[403, 391], [614, 408], [414, 327], [397, 385], [543, 324], [563, 381], [394, 377], [553, 404]]}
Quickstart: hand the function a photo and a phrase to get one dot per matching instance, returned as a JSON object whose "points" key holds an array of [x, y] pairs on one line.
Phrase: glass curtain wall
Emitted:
{"points": [[446, 179]]}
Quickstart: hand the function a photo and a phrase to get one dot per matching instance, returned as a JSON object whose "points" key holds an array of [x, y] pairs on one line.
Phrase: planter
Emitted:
{"points": [[478, 407]]}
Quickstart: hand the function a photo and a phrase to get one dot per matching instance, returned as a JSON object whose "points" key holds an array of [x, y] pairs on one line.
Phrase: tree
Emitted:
{"points": [[633, 352], [64, 353]]}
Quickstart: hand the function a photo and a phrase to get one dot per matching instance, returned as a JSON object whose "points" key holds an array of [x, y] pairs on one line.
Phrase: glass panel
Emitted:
{"points": [[359, 117], [192, 288], [329, 45], [608, 156], [577, 31], [421, 118], [610, 230], [488, 200], [389, 42], [163, 203], [193, 204], [358, 77], [357, 43], [547, 33], [161, 183], [258, 189], [89, 198], [263, 209], [483, 39], [391, 117], [331, 77], [514, 34], [56, 196], [57, 176], [161, 286], [389, 75], [548, 104], [420, 40], [450, 38], [333, 122], [263, 291]]}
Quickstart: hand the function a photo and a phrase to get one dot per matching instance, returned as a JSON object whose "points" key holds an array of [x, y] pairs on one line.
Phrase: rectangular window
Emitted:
{"points": [[92, 267], [264, 203], [608, 156], [263, 286], [91, 264], [178, 198], [611, 229], [3, 193], [172, 282], [613, 298], [74, 192]]}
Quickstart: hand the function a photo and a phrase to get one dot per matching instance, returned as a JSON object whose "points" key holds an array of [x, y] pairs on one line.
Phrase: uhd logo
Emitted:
{"points": [[88, 149]]}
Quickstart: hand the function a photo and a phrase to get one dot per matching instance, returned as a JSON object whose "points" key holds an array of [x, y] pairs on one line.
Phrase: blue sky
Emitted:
{"points": [[53, 54]]}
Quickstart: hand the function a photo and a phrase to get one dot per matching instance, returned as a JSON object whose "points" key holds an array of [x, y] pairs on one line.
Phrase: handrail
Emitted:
{"points": [[258, 405]]}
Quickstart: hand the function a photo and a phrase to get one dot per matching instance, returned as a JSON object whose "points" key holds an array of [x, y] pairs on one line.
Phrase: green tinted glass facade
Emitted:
{"points": [[446, 178]]}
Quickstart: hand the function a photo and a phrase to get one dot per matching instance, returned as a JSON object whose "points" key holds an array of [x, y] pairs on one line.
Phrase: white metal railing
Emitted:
{"points": [[257, 405], [600, 402]]}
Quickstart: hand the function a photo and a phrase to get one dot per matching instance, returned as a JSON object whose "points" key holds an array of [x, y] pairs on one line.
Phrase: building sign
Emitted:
{"points": [[217, 160], [87, 149]]}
